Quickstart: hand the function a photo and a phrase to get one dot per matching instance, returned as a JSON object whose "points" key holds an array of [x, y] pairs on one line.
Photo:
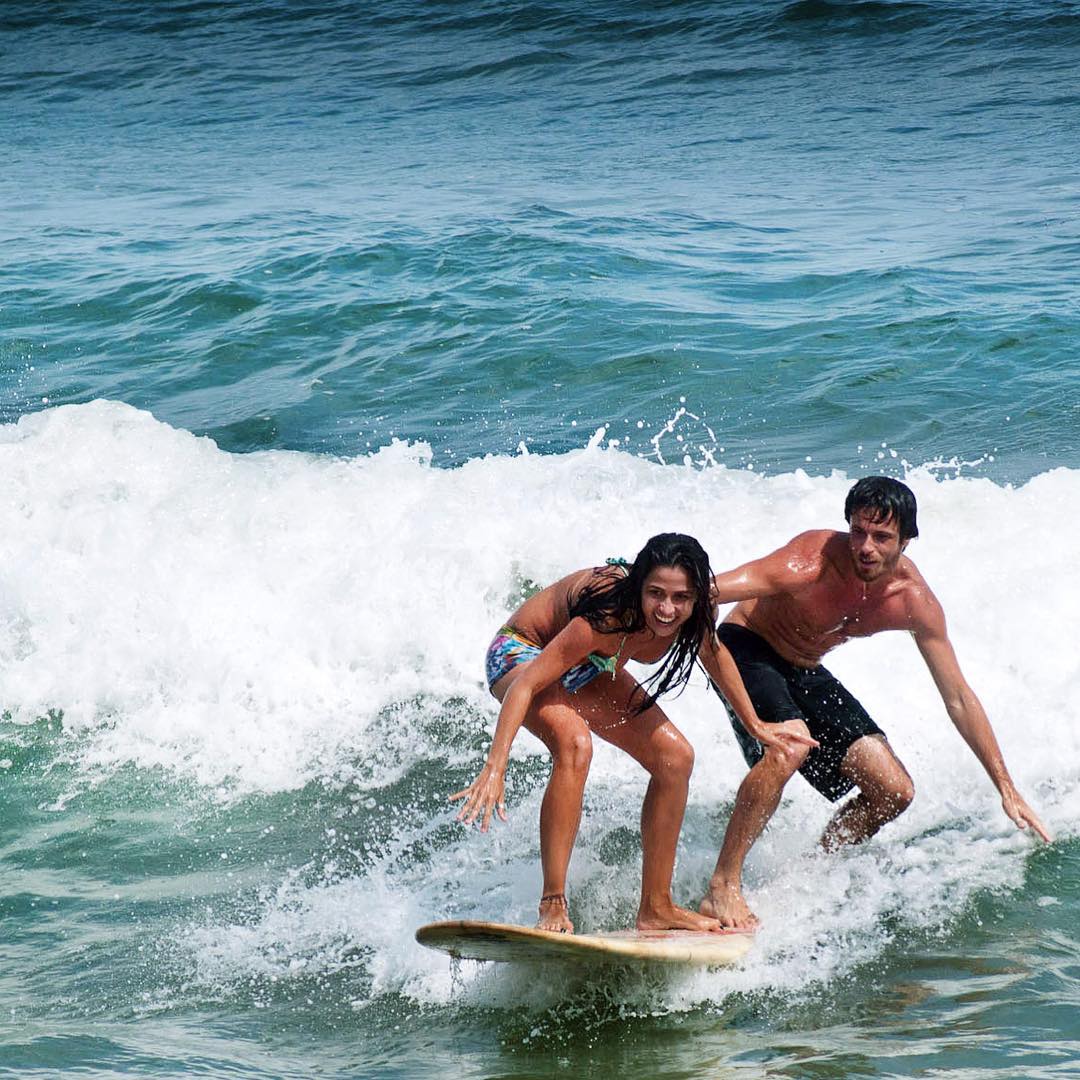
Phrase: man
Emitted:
{"points": [[793, 606]]}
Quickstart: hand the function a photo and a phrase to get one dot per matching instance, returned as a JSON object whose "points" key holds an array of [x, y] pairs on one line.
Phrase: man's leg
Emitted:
{"points": [[885, 792], [755, 803]]}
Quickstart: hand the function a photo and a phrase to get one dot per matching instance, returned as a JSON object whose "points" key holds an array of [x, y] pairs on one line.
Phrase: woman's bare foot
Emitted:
{"points": [[725, 903], [669, 916], [555, 914]]}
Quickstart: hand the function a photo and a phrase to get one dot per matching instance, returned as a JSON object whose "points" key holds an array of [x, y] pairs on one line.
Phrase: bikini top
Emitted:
{"points": [[607, 664]]}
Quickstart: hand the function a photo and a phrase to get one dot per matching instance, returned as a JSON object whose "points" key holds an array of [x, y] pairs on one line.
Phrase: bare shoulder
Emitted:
{"points": [[922, 608], [564, 593], [814, 541], [820, 549], [545, 613], [573, 583], [803, 560]]}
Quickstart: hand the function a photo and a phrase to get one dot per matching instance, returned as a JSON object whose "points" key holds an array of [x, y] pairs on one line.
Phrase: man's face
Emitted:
{"points": [[875, 545]]}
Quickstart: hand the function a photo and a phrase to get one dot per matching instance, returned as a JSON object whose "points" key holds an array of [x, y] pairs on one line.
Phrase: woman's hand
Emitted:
{"points": [[484, 796], [786, 736]]}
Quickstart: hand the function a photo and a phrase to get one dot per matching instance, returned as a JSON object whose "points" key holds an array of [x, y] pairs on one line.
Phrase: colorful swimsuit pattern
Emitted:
{"points": [[511, 648]]}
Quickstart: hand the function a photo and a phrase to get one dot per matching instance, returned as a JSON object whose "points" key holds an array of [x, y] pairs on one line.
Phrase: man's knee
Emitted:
{"points": [[890, 798], [881, 777], [906, 791], [900, 794]]}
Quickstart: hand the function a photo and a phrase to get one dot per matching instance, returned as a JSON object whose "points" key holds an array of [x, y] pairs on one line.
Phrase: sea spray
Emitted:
{"points": [[265, 624]]}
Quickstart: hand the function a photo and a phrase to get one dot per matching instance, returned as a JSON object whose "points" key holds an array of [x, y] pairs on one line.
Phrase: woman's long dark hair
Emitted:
{"points": [[612, 605]]}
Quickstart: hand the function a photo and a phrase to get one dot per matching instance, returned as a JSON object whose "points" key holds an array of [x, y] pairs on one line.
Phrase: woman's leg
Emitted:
{"points": [[567, 738], [653, 741], [554, 720]]}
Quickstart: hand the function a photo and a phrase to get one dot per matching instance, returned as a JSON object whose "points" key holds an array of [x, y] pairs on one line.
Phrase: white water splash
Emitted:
{"points": [[246, 622]]}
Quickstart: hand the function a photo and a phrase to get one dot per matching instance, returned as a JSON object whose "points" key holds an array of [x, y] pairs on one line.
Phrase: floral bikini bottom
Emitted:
{"points": [[511, 648]]}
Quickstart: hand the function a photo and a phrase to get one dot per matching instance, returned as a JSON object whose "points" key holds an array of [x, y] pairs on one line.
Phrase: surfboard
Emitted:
{"points": [[477, 940]]}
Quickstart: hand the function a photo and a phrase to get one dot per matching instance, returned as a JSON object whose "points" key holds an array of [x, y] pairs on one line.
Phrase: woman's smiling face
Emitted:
{"points": [[667, 600]]}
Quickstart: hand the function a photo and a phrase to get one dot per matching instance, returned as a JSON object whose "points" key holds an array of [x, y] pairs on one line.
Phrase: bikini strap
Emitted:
{"points": [[618, 651]]}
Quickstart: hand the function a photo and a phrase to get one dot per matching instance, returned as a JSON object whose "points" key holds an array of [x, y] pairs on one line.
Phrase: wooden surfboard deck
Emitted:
{"points": [[476, 940]]}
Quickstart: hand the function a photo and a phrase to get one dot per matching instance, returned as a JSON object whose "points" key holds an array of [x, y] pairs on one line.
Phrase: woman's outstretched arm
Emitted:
{"points": [[485, 795]]}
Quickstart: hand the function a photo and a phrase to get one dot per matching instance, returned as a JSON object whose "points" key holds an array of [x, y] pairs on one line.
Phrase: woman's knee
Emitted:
{"points": [[572, 749], [682, 759], [673, 759]]}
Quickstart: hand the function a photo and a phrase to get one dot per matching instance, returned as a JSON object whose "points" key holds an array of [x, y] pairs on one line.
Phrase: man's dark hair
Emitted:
{"points": [[883, 498]]}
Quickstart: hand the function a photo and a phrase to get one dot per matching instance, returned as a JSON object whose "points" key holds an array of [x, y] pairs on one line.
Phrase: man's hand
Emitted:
{"points": [[1021, 814]]}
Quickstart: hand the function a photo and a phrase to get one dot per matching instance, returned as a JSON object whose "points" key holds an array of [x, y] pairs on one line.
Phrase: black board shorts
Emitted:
{"points": [[782, 691]]}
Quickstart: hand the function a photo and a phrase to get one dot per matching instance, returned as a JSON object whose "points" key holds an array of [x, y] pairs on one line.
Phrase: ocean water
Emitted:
{"points": [[327, 330]]}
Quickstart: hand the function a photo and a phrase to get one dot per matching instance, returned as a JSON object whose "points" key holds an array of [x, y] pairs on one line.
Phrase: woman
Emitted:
{"points": [[558, 667]]}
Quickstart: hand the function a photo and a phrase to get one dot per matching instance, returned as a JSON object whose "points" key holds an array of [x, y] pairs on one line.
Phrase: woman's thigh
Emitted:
{"points": [[554, 716], [609, 707]]}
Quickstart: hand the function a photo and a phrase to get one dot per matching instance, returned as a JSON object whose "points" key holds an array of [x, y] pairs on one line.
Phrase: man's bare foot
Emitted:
{"points": [[669, 916], [725, 903], [555, 914]]}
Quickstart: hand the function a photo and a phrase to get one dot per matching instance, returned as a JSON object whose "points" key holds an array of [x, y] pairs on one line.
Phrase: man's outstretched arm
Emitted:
{"points": [[966, 712]]}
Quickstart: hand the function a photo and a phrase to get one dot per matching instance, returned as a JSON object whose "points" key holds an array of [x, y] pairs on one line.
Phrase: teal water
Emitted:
{"points": [[102, 898], [323, 227], [327, 329]]}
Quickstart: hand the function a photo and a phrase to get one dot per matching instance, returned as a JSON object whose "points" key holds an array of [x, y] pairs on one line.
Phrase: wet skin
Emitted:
{"points": [[814, 593], [532, 696]]}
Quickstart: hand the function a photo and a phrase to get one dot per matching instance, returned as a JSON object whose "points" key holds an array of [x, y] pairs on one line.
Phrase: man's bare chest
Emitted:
{"points": [[836, 613]]}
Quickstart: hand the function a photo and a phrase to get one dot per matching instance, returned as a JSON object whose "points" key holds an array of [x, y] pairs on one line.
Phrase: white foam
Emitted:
{"points": [[245, 622]]}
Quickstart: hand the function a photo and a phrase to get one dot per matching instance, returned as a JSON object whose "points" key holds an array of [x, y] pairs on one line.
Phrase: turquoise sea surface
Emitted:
{"points": [[328, 329]]}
